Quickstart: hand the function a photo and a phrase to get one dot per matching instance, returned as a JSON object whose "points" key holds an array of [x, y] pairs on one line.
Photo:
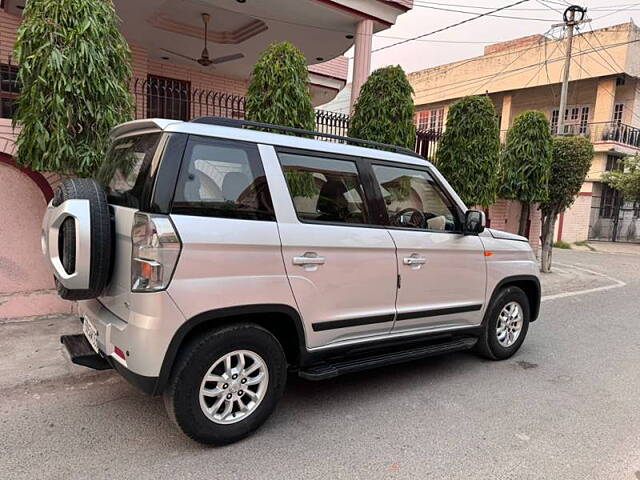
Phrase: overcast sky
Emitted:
{"points": [[423, 54]]}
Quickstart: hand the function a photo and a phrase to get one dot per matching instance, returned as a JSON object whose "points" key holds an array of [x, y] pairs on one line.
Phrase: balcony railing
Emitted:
{"points": [[166, 98], [604, 132], [615, 132]]}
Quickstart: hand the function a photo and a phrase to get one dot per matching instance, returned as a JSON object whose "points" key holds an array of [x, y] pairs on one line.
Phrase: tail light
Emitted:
{"points": [[154, 253]]}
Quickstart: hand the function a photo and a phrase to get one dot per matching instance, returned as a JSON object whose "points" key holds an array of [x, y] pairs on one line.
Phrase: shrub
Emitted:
{"points": [[572, 158], [384, 110], [562, 245], [526, 162], [468, 153], [279, 89], [74, 75]]}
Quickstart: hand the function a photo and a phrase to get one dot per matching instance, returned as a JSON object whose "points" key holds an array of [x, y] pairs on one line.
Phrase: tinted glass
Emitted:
{"points": [[127, 170], [325, 189], [414, 200], [223, 179]]}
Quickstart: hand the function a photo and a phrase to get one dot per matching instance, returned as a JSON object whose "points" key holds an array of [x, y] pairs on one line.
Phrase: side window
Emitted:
{"points": [[221, 178], [414, 200], [325, 189]]}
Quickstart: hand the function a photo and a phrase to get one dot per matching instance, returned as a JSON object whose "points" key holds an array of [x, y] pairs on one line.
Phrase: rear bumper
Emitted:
{"points": [[81, 353], [141, 339]]}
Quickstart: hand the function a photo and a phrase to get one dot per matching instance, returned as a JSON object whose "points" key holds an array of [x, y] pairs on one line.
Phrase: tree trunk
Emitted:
{"points": [[548, 230], [524, 219]]}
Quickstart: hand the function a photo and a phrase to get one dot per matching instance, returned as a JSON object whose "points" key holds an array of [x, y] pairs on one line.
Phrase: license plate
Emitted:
{"points": [[91, 333]]}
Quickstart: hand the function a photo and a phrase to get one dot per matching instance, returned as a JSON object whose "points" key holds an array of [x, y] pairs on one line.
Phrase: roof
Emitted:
{"points": [[261, 137]]}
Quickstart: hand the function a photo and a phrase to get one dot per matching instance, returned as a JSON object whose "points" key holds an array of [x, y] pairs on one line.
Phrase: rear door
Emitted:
{"points": [[341, 267], [128, 174], [442, 272]]}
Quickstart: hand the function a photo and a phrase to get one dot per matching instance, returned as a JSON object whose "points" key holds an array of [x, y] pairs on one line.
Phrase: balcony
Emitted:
{"points": [[607, 135]]}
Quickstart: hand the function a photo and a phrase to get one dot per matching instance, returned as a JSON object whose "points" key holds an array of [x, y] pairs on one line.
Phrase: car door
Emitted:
{"points": [[442, 272], [342, 269]]}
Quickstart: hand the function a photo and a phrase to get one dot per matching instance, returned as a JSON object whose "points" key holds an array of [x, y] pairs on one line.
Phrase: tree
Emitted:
{"points": [[279, 89], [627, 180], [384, 110], [526, 163], [74, 76], [572, 158], [468, 154]]}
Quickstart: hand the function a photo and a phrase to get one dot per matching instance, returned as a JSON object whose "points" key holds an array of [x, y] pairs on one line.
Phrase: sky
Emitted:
{"points": [[537, 18]]}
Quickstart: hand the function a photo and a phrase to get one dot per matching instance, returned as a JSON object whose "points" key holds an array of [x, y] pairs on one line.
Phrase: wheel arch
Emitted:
{"points": [[529, 284], [283, 321]]}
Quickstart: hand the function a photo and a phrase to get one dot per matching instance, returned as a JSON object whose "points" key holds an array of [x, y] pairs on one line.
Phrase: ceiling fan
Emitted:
{"points": [[204, 59]]}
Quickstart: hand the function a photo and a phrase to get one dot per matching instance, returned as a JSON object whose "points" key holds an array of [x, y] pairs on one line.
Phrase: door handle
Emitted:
{"points": [[308, 259], [414, 260]]}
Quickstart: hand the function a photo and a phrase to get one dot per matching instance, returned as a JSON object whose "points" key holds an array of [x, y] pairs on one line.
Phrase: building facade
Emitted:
{"points": [[166, 39], [603, 105]]}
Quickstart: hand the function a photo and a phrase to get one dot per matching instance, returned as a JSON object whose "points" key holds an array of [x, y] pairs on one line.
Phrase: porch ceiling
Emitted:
{"points": [[317, 29]]}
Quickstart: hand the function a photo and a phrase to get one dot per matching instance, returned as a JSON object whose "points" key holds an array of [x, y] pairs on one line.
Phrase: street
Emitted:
{"points": [[565, 407]]}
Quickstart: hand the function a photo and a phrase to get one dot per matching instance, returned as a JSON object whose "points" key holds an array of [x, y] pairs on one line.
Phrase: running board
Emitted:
{"points": [[81, 352], [325, 370]]}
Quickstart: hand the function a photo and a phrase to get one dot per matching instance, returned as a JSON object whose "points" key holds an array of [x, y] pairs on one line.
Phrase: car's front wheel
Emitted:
{"points": [[506, 324], [226, 383]]}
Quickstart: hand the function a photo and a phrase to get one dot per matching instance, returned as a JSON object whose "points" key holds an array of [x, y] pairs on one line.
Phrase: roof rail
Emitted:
{"points": [[232, 122]]}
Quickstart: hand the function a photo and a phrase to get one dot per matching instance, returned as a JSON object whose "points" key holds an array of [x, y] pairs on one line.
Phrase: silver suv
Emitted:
{"points": [[212, 257]]}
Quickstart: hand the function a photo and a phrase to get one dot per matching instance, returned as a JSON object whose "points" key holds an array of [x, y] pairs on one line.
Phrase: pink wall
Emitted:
{"points": [[26, 285]]}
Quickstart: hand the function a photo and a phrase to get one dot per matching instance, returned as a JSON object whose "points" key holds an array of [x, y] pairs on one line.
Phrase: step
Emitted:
{"points": [[325, 370], [81, 352]]}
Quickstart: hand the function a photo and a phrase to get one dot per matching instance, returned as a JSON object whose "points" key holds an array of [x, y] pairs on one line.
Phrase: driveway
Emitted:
{"points": [[565, 407]]}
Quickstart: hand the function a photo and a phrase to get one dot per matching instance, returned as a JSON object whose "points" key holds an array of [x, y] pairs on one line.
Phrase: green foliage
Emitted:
{"points": [[279, 89], [626, 181], [468, 154], [384, 110], [74, 73], [301, 184], [562, 245], [526, 159], [572, 158], [400, 189]]}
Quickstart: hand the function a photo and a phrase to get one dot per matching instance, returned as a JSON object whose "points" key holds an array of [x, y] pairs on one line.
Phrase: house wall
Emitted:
{"points": [[26, 284]]}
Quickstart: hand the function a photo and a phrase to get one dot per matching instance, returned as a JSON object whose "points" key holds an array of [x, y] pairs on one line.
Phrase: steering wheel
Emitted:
{"points": [[416, 220]]}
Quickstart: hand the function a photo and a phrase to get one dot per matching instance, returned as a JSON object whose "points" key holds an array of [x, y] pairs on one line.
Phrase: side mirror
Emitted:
{"points": [[474, 222]]}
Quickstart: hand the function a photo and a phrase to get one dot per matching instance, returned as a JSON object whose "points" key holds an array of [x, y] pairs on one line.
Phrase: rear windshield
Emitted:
{"points": [[127, 170]]}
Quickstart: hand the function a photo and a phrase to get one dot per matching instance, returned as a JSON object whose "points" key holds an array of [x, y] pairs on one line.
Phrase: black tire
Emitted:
{"points": [[181, 396], [488, 345], [101, 237]]}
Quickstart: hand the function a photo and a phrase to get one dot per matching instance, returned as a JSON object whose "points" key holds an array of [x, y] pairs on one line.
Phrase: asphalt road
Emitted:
{"points": [[565, 407]]}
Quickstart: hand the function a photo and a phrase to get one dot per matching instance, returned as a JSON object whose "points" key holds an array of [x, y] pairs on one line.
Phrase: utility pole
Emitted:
{"points": [[570, 22]]}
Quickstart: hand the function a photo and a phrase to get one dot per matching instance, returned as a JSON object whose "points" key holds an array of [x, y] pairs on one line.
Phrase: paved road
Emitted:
{"points": [[566, 407]]}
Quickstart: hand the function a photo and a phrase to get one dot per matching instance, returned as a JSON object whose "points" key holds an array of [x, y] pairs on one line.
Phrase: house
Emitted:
{"points": [[603, 105], [166, 39]]}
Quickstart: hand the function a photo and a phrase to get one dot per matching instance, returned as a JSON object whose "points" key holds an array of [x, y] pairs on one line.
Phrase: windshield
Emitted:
{"points": [[127, 169]]}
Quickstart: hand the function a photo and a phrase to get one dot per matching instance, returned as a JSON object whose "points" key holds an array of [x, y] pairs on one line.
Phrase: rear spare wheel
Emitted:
{"points": [[81, 259]]}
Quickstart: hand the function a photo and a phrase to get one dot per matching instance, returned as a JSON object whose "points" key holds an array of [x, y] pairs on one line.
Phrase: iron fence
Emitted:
{"points": [[427, 143], [9, 88], [157, 97], [614, 220]]}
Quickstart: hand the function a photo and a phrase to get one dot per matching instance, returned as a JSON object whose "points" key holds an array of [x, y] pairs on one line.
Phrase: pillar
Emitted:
{"points": [[505, 121], [361, 58]]}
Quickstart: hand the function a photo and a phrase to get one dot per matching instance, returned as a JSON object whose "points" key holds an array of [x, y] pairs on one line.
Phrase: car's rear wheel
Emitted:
{"points": [[226, 383], [506, 324]]}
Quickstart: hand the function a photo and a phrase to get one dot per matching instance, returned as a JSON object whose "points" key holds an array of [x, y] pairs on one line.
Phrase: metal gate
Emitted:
{"points": [[427, 143], [614, 220]]}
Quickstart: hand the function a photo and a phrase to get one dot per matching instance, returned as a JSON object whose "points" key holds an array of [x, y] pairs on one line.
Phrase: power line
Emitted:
{"points": [[488, 14], [617, 11], [449, 26], [467, 82], [607, 90]]}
